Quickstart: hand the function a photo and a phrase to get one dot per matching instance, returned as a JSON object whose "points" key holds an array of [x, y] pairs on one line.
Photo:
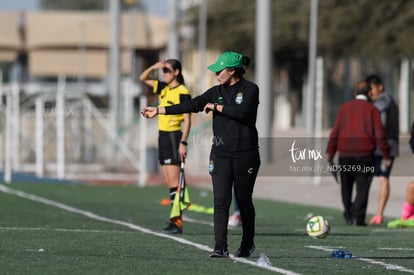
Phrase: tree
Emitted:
{"points": [[359, 28], [84, 4], [373, 31], [73, 4]]}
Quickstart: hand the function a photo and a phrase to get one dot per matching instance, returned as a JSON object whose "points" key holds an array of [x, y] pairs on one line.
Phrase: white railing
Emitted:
{"points": [[44, 132]]}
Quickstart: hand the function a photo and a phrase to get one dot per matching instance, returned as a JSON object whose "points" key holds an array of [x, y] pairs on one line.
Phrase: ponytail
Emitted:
{"points": [[245, 61], [180, 78]]}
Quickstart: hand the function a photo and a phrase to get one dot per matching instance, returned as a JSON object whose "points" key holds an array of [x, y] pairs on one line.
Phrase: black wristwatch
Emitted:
{"points": [[215, 107], [183, 142]]}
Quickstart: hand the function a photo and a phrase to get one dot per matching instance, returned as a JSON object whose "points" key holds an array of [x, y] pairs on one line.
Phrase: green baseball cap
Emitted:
{"points": [[227, 60]]}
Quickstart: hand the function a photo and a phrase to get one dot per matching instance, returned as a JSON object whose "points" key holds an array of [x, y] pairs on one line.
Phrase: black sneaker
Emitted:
{"points": [[172, 228], [219, 252], [360, 223], [348, 219], [243, 252]]}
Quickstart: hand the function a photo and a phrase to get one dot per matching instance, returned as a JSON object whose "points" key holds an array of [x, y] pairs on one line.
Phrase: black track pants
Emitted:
{"points": [[242, 172], [356, 171]]}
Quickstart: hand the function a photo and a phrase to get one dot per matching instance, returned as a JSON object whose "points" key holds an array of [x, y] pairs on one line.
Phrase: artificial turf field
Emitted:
{"points": [[84, 229]]}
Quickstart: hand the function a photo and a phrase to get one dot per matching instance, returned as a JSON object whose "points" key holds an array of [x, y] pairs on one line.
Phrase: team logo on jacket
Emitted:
{"points": [[211, 166], [239, 98]]}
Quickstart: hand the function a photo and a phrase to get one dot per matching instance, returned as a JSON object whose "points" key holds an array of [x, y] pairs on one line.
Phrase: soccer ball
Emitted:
{"points": [[318, 227]]}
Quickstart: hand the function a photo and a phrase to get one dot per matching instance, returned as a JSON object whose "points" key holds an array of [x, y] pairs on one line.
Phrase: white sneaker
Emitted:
{"points": [[235, 220]]}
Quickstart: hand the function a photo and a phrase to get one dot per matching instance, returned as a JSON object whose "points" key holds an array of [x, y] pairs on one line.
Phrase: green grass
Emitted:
{"points": [[36, 238]]}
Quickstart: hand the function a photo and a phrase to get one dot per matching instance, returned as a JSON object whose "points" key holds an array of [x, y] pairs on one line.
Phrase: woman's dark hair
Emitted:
{"points": [[176, 65], [245, 62]]}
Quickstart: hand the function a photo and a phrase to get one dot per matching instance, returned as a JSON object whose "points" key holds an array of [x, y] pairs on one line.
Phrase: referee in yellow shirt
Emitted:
{"points": [[173, 129]]}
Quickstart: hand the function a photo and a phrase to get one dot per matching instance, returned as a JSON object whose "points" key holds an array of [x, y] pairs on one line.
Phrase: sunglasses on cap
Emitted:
{"points": [[166, 70]]}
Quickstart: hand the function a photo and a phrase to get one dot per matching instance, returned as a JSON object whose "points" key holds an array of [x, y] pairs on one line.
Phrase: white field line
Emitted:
{"points": [[94, 216], [185, 218], [370, 261], [393, 230], [62, 230], [190, 220], [396, 248]]}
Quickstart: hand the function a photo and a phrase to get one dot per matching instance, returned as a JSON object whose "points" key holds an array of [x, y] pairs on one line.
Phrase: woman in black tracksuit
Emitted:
{"points": [[234, 154]]}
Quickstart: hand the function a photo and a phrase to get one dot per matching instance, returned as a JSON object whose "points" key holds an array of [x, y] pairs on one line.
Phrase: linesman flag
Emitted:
{"points": [[182, 197]]}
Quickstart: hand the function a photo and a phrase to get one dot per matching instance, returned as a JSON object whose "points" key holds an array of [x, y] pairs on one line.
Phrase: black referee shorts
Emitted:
{"points": [[168, 143]]}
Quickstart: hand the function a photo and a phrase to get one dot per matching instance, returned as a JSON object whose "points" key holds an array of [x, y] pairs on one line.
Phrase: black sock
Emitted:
{"points": [[172, 195]]}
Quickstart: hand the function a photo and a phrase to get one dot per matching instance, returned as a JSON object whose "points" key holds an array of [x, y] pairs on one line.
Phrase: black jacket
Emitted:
{"points": [[234, 129]]}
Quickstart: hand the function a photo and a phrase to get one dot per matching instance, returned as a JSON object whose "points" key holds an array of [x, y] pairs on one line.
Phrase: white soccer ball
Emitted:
{"points": [[318, 227]]}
